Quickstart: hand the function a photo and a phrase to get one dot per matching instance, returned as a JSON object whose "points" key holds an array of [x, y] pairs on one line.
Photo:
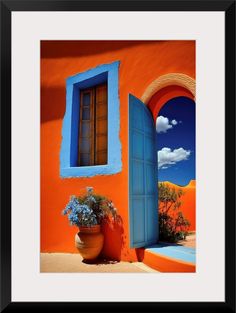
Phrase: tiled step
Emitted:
{"points": [[167, 257]]}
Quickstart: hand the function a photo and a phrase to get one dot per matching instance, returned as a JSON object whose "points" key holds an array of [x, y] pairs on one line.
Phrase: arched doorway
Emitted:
{"points": [[176, 157], [169, 80], [143, 217]]}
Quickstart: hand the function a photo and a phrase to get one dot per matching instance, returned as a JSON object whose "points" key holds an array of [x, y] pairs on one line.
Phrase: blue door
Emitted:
{"points": [[143, 215]]}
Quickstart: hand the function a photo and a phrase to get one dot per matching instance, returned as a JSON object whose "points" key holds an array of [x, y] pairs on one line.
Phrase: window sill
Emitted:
{"points": [[89, 171]]}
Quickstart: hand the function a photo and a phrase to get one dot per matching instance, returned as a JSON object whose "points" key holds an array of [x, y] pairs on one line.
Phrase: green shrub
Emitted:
{"points": [[173, 226]]}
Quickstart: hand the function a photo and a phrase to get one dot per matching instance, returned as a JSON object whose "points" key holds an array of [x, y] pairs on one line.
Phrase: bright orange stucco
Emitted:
{"points": [[165, 264], [159, 99], [141, 62]]}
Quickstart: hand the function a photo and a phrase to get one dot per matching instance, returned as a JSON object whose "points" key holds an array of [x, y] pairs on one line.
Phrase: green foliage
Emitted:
{"points": [[173, 226], [169, 197]]}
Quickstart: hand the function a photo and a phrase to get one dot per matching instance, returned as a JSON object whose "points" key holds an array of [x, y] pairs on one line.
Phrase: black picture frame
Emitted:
{"points": [[7, 7]]}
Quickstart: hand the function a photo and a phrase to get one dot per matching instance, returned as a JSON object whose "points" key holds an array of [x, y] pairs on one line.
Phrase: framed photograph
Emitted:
{"points": [[118, 156]]}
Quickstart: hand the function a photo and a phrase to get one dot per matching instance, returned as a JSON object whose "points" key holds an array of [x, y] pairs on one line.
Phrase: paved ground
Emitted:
{"points": [[71, 263], [190, 241]]}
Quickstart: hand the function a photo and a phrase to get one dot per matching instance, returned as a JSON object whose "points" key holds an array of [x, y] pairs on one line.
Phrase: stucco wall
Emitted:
{"points": [[141, 62]]}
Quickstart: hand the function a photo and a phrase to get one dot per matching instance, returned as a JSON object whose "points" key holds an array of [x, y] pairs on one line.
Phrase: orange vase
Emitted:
{"points": [[89, 241]]}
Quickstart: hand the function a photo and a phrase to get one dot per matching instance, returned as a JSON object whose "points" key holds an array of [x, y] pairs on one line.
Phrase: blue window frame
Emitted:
{"points": [[107, 73]]}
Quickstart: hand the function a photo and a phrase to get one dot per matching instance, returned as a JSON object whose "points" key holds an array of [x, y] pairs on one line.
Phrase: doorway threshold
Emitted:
{"points": [[167, 257]]}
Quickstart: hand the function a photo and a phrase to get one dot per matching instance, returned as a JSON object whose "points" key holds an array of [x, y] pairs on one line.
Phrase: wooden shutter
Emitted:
{"points": [[93, 126], [86, 128], [143, 201], [101, 125]]}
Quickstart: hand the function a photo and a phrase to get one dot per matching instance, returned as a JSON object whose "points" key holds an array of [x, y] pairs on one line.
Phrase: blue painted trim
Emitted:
{"points": [[69, 147], [174, 251]]}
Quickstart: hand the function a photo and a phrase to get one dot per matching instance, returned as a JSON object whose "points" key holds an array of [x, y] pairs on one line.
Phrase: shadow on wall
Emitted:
{"points": [[53, 103], [113, 239], [58, 49], [160, 98]]}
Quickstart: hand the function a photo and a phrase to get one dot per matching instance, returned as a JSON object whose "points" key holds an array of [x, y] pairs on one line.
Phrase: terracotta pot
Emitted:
{"points": [[89, 241]]}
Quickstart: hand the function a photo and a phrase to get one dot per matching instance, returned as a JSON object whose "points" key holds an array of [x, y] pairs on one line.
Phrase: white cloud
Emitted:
{"points": [[166, 157], [163, 124], [174, 122]]}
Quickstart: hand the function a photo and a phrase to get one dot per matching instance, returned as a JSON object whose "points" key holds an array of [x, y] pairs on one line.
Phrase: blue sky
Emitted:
{"points": [[175, 127]]}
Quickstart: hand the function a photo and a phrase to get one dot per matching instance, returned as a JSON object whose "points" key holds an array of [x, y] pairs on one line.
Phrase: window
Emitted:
{"points": [[90, 132], [93, 126]]}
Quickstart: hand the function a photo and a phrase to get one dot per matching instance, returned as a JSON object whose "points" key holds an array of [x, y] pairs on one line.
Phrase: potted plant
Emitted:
{"points": [[88, 212]]}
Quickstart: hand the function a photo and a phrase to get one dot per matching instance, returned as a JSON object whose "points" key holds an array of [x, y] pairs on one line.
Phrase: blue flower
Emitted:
{"points": [[88, 210]]}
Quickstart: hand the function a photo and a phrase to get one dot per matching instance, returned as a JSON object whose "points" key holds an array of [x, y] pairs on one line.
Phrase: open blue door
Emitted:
{"points": [[143, 201]]}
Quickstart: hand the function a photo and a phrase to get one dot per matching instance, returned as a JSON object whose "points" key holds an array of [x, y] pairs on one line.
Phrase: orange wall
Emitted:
{"points": [[188, 202], [160, 98], [141, 62]]}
